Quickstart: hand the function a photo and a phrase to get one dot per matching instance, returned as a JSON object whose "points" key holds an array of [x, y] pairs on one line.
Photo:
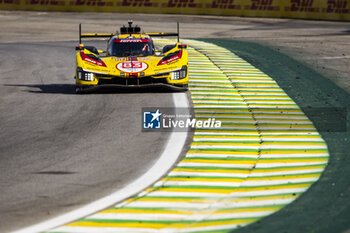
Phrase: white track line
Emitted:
{"points": [[167, 159]]}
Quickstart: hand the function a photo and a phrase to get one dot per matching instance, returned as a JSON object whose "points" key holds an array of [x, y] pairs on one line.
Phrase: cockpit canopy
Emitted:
{"points": [[124, 47]]}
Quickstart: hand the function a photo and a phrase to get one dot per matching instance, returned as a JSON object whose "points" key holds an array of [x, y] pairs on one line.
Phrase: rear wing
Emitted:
{"points": [[161, 34], [94, 35], [109, 35]]}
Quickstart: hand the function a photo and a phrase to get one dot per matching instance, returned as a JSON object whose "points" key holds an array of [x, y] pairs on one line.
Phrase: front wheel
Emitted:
{"points": [[78, 90], [86, 89], [182, 87]]}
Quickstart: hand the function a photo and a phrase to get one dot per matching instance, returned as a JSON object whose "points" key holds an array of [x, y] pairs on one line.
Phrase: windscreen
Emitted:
{"points": [[130, 47]]}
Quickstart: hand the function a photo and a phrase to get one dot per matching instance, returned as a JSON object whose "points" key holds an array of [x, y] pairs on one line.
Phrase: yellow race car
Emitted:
{"points": [[130, 60]]}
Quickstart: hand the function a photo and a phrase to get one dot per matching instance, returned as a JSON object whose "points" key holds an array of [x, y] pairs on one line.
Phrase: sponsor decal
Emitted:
{"points": [[171, 119], [132, 66], [224, 4], [182, 4], [302, 6], [166, 59], [262, 5], [91, 60], [337, 6], [138, 3], [130, 40], [10, 2], [90, 3], [45, 2]]}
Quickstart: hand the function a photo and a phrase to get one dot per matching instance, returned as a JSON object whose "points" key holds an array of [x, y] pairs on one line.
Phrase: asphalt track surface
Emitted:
{"points": [[60, 150]]}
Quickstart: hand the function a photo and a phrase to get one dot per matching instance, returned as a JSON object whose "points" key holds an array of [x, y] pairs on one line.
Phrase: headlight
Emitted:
{"points": [[180, 74], [85, 76], [175, 75]]}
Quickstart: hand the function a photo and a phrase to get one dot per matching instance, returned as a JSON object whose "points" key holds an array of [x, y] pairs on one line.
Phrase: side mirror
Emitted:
{"points": [[157, 53], [182, 46]]}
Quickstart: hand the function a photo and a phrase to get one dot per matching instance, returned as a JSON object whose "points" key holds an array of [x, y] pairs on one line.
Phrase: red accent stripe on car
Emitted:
{"points": [[91, 60], [171, 59]]}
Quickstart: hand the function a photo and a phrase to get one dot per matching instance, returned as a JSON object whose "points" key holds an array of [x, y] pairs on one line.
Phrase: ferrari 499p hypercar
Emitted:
{"points": [[130, 60]]}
